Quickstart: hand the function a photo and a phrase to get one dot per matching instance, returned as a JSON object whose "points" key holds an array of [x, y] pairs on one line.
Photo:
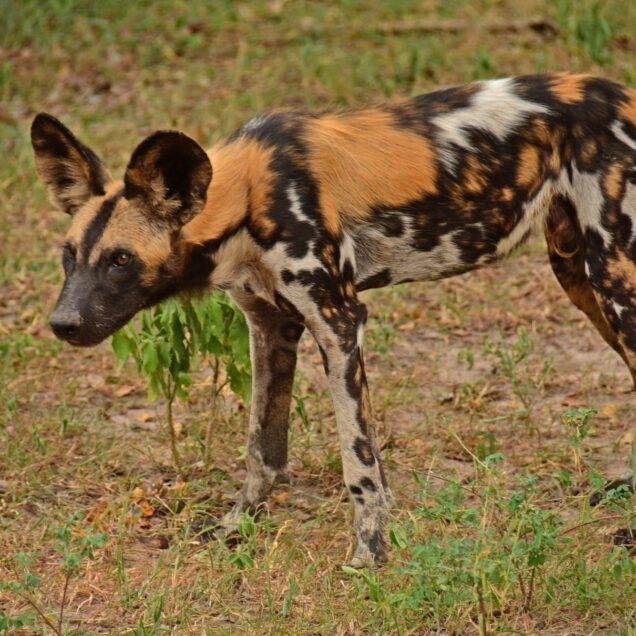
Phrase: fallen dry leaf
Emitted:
{"points": [[281, 497], [123, 391], [137, 493]]}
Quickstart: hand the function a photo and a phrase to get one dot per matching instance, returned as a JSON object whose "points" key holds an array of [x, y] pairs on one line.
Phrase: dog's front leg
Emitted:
{"points": [[339, 330], [274, 340]]}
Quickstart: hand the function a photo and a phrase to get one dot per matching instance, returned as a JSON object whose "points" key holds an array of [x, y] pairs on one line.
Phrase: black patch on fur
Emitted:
{"points": [[96, 228], [363, 451], [367, 483], [182, 165], [325, 359], [287, 276], [377, 546], [380, 279], [352, 378], [390, 224], [355, 490]]}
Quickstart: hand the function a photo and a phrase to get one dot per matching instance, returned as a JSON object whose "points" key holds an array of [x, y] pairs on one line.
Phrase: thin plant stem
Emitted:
{"points": [[528, 599], [176, 458], [27, 599], [60, 619], [213, 410]]}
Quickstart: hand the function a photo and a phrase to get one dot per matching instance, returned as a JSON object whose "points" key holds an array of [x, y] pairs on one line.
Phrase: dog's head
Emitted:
{"points": [[120, 253]]}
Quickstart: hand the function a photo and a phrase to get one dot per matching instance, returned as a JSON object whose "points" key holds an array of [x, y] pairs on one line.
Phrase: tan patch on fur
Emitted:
{"points": [[129, 229], [83, 217], [362, 159], [613, 181], [622, 268], [475, 179], [528, 173], [569, 88], [628, 109], [241, 181], [589, 150]]}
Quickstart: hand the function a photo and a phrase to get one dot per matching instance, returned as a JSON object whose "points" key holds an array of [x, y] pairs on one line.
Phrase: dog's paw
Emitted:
{"points": [[365, 558], [205, 530]]}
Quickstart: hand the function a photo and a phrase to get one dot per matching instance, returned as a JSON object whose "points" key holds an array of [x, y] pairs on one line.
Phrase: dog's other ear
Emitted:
{"points": [[170, 173], [72, 172]]}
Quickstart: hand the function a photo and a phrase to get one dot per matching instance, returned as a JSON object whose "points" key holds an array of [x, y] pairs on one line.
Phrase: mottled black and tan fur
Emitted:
{"points": [[296, 213]]}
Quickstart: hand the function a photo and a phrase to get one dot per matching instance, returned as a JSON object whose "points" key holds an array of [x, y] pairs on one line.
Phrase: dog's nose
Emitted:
{"points": [[65, 326]]}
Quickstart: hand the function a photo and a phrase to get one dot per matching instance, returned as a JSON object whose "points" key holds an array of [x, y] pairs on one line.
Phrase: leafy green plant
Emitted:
{"points": [[173, 337], [479, 554], [578, 419], [75, 544]]}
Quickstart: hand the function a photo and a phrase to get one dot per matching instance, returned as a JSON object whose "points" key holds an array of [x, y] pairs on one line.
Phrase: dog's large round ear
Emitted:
{"points": [[170, 174], [72, 172]]}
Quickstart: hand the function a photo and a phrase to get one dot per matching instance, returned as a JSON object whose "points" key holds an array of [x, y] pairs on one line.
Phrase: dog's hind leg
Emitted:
{"points": [[567, 252], [605, 228]]}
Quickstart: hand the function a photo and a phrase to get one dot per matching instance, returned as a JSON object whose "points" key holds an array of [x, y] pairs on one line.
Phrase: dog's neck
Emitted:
{"points": [[239, 183]]}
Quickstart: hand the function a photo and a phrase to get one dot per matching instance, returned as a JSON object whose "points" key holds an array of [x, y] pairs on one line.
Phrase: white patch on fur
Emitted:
{"points": [[588, 199], [277, 259], [495, 108], [360, 335], [296, 208], [239, 263], [619, 133], [534, 213], [628, 207], [255, 123], [618, 309], [347, 252]]}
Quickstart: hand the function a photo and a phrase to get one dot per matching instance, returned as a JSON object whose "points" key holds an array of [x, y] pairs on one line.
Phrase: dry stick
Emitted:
{"points": [[522, 585], [482, 611], [589, 523], [34, 605], [60, 619], [528, 599], [539, 25]]}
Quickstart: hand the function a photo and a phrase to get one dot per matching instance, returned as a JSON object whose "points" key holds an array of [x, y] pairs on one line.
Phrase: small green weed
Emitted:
{"points": [[475, 557], [516, 363], [75, 543]]}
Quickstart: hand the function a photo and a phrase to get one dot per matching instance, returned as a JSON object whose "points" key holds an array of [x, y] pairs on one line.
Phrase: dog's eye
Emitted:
{"points": [[121, 259]]}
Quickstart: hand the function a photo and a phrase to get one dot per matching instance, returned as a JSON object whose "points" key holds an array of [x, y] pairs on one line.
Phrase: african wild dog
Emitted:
{"points": [[306, 210]]}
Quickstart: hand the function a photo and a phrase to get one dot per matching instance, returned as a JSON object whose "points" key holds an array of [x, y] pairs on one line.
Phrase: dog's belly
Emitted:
{"points": [[399, 249], [388, 260]]}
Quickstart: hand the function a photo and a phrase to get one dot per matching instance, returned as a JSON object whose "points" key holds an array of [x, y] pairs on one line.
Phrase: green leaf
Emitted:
{"points": [[150, 359], [122, 346]]}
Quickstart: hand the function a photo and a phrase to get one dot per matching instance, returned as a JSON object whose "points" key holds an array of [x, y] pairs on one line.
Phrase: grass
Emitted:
{"points": [[498, 406]]}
